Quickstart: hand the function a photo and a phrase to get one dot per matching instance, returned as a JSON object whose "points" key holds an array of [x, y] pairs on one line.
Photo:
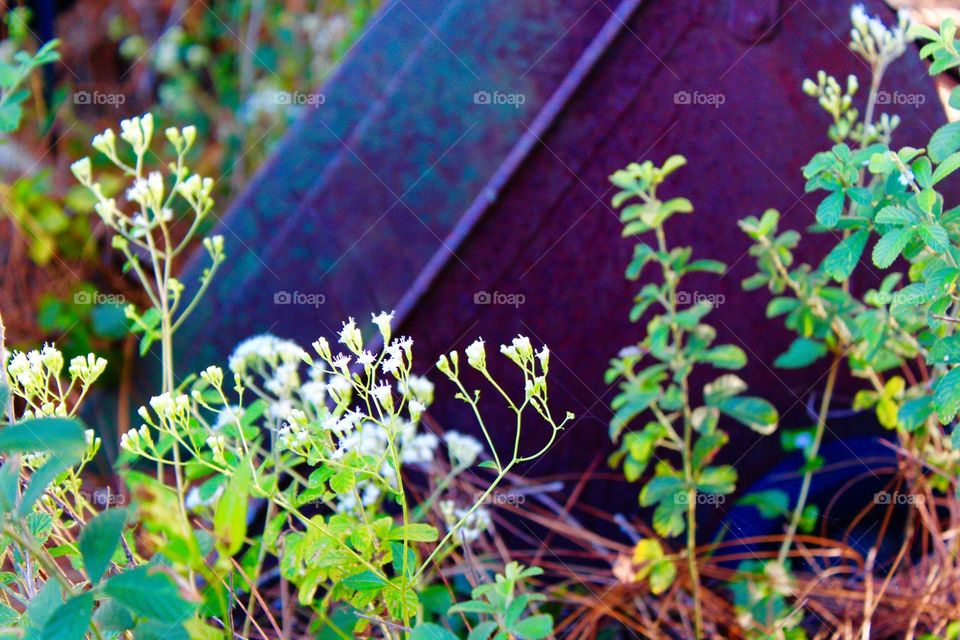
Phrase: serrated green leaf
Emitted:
{"points": [[945, 168], [945, 141], [890, 246], [946, 395], [830, 209], [841, 261]]}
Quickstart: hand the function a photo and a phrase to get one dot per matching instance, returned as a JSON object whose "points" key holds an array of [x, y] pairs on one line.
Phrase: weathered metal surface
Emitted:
{"points": [[400, 192]]}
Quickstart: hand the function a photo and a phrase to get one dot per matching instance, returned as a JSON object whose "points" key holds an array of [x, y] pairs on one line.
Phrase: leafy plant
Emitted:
{"points": [[499, 609], [676, 342]]}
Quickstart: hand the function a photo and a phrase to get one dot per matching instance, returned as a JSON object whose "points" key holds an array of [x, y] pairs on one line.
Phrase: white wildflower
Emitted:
{"points": [[463, 449]]}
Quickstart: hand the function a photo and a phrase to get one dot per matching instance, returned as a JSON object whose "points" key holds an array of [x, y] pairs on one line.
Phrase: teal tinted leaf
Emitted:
{"points": [[944, 169], [534, 627], [830, 208], [483, 631], [111, 616], [10, 116], [802, 352], [890, 246], [945, 141], [897, 216], [62, 437], [946, 350], [428, 631], [70, 620], [840, 262], [771, 503], [935, 236], [914, 413], [149, 593], [99, 540], [756, 413], [946, 395], [726, 356], [660, 488]]}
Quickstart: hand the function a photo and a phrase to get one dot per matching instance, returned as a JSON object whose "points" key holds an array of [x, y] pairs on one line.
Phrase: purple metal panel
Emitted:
{"points": [[552, 238], [607, 85]]}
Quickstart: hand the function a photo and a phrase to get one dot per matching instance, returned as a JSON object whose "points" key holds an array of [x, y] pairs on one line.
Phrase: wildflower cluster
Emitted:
{"points": [[144, 224]]}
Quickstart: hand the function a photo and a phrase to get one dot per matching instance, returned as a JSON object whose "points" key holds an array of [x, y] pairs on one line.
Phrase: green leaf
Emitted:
{"points": [[472, 606], [726, 356], [914, 413], [830, 208], [890, 246], [415, 532], [662, 575], [428, 631], [944, 169], [802, 352], [946, 395], [935, 236], [149, 593], [4, 400], [364, 581], [99, 540], [10, 116], [70, 620], [840, 262], [659, 488], [945, 141], [230, 515], [62, 437], [717, 480], [534, 627], [897, 216], [771, 503], [946, 350], [483, 631], [726, 386], [756, 413]]}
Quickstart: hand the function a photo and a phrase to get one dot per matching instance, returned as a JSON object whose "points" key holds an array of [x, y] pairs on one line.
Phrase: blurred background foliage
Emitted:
{"points": [[238, 70]]}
